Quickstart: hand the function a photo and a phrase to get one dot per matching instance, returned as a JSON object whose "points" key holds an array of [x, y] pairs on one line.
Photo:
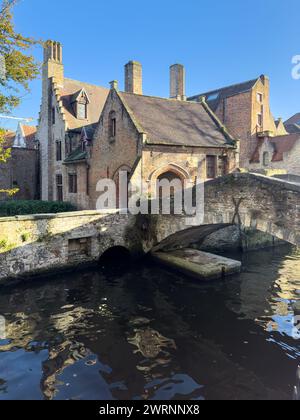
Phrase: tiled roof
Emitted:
{"points": [[30, 134], [295, 119], [97, 96], [281, 145], [76, 156], [292, 128], [219, 94], [176, 123], [89, 129]]}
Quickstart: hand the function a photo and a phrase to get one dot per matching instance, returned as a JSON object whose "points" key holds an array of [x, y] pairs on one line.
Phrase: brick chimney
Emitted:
{"points": [[134, 78], [177, 82]]}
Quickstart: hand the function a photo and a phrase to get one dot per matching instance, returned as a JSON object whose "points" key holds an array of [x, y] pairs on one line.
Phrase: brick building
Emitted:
{"points": [[245, 110], [22, 169], [88, 133]]}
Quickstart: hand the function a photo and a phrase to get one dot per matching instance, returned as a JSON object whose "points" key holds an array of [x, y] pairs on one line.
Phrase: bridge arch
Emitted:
{"points": [[115, 257], [249, 200]]}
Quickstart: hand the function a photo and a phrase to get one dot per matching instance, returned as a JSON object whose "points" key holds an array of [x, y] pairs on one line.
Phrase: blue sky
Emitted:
{"points": [[220, 43]]}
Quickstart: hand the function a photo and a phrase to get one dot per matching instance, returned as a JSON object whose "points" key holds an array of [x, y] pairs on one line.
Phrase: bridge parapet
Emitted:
{"points": [[248, 200]]}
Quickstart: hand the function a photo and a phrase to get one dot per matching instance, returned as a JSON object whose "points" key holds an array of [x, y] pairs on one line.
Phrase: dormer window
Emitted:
{"points": [[80, 102], [82, 111]]}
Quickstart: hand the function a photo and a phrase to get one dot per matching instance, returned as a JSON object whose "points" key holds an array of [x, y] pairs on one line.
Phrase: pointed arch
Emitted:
{"points": [[171, 167]]}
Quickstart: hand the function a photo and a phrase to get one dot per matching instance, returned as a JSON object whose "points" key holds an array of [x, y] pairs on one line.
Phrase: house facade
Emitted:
{"points": [[69, 109], [245, 110], [88, 133], [280, 153]]}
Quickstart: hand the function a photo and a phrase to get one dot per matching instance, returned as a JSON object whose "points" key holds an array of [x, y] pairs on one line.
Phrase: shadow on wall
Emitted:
{"points": [[38, 244]]}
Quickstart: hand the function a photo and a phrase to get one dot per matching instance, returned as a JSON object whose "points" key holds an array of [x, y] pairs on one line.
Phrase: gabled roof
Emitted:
{"points": [[292, 128], [281, 145], [295, 119], [176, 123], [29, 132], [88, 129], [76, 96], [220, 94], [280, 128], [97, 96]]}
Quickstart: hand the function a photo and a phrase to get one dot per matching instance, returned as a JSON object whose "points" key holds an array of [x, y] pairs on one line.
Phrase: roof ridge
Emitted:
{"points": [[135, 121], [226, 87], [86, 83], [161, 98], [219, 123]]}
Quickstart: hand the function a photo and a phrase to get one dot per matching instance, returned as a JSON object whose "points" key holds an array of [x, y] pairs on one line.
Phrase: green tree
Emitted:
{"points": [[17, 68]]}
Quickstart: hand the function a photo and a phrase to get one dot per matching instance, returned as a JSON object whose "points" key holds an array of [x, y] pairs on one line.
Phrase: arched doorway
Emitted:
{"points": [[175, 181], [169, 184]]}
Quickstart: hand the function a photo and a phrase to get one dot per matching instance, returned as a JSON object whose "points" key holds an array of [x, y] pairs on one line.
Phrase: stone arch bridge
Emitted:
{"points": [[34, 244], [249, 200]]}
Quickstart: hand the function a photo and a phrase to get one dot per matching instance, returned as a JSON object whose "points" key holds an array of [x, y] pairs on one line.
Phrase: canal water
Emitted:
{"points": [[152, 334]]}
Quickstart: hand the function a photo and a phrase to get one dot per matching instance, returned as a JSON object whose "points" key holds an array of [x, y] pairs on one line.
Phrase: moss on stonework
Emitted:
{"points": [[25, 236], [5, 246], [45, 237]]}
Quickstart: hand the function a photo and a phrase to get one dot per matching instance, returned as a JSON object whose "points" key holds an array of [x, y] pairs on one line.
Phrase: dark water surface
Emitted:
{"points": [[153, 334]]}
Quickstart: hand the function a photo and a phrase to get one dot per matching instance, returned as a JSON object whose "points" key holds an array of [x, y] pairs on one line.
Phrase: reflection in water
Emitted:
{"points": [[150, 334], [296, 395]]}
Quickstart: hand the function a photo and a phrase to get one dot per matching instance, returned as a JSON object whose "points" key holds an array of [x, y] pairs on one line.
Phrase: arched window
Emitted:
{"points": [[266, 159], [112, 124]]}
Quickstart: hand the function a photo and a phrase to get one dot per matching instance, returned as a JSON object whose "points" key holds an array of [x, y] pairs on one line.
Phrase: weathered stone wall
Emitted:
{"points": [[233, 238], [252, 201], [21, 171], [81, 199], [35, 244], [189, 163], [31, 244]]}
